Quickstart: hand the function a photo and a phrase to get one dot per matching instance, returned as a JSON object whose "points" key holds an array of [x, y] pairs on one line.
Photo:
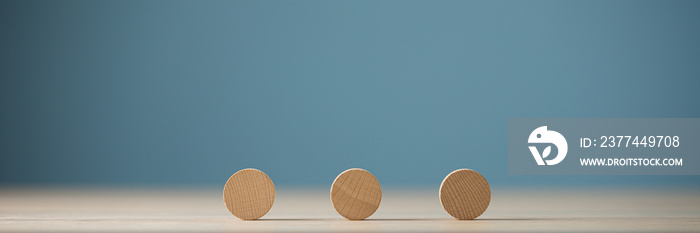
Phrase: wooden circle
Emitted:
{"points": [[249, 194], [356, 194], [465, 194]]}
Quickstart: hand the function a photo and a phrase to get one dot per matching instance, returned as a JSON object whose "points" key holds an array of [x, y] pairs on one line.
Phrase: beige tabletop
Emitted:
{"points": [[309, 209]]}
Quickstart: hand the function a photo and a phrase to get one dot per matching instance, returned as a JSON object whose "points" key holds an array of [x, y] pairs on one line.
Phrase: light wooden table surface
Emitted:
{"points": [[310, 209]]}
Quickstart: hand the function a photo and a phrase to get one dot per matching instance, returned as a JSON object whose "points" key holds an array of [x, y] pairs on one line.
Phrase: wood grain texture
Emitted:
{"points": [[356, 194], [249, 194], [306, 209], [465, 194]]}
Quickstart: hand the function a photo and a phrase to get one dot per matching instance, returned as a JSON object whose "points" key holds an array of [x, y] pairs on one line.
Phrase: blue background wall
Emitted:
{"points": [[188, 92]]}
